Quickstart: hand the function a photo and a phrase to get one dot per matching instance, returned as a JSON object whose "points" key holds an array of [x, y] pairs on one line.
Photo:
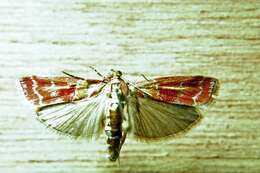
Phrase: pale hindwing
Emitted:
{"points": [[83, 118], [152, 119]]}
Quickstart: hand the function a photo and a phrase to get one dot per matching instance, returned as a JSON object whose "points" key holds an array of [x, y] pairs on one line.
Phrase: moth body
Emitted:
{"points": [[114, 116]]}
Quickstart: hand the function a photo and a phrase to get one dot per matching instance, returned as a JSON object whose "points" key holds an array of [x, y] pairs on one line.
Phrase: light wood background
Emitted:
{"points": [[174, 37]]}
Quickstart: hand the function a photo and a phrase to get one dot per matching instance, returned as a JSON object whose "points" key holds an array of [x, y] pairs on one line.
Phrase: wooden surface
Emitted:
{"points": [[191, 37]]}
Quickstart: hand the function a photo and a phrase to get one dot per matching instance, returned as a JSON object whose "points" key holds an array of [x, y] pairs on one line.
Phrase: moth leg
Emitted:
{"points": [[125, 126], [122, 140], [121, 144]]}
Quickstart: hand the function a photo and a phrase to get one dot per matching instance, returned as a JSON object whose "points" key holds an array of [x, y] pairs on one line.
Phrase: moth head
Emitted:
{"points": [[114, 74]]}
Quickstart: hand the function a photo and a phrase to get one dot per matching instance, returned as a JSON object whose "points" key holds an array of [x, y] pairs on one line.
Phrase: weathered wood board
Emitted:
{"points": [[190, 37]]}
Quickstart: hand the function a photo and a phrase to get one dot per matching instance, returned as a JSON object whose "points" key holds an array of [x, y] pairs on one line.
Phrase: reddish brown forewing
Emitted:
{"points": [[185, 90], [43, 91]]}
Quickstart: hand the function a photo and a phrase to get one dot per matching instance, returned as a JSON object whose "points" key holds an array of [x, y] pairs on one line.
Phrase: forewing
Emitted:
{"points": [[43, 91], [82, 118], [184, 90], [151, 119]]}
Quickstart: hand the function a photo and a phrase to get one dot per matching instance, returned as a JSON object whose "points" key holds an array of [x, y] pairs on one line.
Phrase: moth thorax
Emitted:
{"points": [[116, 94]]}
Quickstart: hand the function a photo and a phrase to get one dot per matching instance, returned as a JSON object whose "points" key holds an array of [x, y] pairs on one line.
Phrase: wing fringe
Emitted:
{"points": [[215, 93]]}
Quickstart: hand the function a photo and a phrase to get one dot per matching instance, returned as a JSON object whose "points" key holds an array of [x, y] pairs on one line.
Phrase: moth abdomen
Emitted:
{"points": [[114, 134], [113, 123]]}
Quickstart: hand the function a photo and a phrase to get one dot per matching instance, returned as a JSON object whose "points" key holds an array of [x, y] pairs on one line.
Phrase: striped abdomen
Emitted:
{"points": [[113, 123]]}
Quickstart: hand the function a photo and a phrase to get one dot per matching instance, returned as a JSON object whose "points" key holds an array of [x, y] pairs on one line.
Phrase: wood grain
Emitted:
{"points": [[191, 37]]}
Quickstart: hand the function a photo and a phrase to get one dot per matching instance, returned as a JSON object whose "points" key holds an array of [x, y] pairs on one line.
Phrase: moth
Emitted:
{"points": [[148, 110]]}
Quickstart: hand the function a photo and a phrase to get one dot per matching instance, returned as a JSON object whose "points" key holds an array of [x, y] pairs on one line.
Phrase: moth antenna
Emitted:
{"points": [[97, 72], [68, 74], [145, 77]]}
